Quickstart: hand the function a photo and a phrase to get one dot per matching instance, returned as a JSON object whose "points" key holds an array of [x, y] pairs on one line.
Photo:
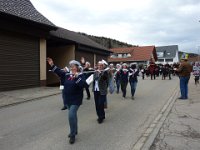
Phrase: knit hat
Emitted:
{"points": [[74, 62]]}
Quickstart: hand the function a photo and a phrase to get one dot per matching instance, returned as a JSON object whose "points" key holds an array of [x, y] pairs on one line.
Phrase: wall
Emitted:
{"points": [[61, 56], [43, 56]]}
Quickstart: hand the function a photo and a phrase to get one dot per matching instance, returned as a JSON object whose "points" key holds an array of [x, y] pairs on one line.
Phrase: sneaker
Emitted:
{"points": [[132, 98]]}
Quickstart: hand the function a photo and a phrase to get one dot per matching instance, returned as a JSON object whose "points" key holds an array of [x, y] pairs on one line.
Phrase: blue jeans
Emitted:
{"points": [[133, 85], [99, 103], [184, 87], [73, 120], [64, 100]]}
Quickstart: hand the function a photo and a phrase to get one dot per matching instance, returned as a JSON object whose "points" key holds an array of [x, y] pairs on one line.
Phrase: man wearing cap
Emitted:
{"points": [[184, 72], [74, 84], [100, 86]]}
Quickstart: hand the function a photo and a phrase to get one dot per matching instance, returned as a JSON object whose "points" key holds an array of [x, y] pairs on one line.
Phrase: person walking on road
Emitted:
{"points": [[87, 68], [100, 86], [184, 72], [74, 84], [133, 74], [124, 79], [118, 77]]}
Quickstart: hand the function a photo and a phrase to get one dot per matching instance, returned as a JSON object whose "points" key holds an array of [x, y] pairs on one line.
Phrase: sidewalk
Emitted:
{"points": [[19, 96], [181, 129]]}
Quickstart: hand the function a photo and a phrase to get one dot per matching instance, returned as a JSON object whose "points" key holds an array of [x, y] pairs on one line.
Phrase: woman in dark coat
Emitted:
{"points": [[133, 74], [73, 90], [124, 79]]}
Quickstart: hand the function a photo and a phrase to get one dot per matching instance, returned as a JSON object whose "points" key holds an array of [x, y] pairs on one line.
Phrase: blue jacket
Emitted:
{"points": [[73, 87]]}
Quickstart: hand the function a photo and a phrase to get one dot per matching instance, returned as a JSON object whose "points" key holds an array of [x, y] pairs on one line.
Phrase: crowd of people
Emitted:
{"points": [[106, 78]]}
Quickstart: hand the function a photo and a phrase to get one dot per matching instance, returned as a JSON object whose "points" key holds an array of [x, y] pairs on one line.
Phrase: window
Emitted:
{"points": [[160, 54], [169, 60], [113, 56], [160, 60], [125, 56], [119, 55]]}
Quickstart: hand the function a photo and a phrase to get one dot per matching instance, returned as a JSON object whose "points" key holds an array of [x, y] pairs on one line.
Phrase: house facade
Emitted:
{"points": [[27, 38], [139, 55], [167, 54], [65, 45]]}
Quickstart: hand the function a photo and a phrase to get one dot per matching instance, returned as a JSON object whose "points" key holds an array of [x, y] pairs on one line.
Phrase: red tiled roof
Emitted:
{"points": [[142, 53], [122, 50]]}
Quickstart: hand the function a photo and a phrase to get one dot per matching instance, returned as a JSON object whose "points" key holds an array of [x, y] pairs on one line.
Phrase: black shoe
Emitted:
{"points": [[72, 140], [64, 108], [100, 120]]}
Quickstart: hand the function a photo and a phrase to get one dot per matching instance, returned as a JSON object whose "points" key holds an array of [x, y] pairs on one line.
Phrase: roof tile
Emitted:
{"points": [[23, 9]]}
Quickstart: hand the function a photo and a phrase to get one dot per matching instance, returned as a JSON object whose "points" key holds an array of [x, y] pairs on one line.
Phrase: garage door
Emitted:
{"points": [[19, 61]]}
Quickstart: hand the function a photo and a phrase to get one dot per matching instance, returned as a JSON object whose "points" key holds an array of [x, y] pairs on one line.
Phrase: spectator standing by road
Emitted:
{"points": [[184, 72]]}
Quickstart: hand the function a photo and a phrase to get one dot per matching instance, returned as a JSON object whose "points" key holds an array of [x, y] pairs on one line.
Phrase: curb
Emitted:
{"points": [[148, 137], [27, 100]]}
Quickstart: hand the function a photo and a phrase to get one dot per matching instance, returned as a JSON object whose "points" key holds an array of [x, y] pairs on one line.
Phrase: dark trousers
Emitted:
{"points": [[64, 99], [169, 76], [123, 88], [153, 76], [118, 82], [88, 92], [99, 103], [143, 76]]}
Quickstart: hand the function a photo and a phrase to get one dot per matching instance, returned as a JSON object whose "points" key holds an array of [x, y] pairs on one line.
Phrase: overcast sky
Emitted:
{"points": [[138, 22]]}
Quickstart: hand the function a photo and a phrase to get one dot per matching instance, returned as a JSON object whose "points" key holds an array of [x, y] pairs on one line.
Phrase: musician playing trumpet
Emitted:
{"points": [[73, 90]]}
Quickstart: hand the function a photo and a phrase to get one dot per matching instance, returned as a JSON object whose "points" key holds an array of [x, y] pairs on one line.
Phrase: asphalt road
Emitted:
{"points": [[41, 125]]}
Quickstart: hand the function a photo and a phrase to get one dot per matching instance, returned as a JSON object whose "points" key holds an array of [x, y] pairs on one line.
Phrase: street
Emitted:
{"points": [[41, 125]]}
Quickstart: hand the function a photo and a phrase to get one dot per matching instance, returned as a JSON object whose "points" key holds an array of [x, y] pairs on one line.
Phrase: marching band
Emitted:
{"points": [[103, 77]]}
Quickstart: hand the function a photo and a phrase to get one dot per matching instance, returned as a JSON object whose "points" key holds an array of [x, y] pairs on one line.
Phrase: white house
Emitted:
{"points": [[167, 54]]}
